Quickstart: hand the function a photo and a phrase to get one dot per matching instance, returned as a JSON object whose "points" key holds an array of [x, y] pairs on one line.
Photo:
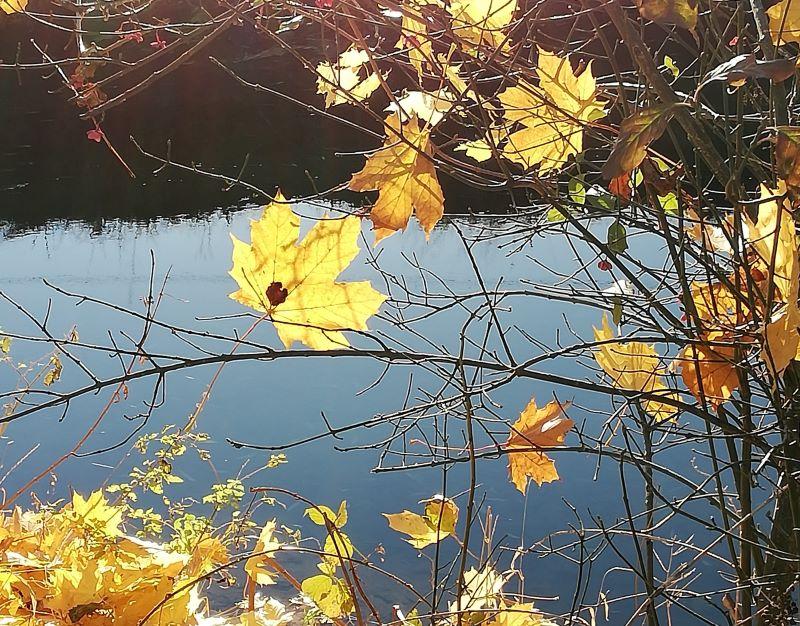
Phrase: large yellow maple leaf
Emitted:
{"points": [[404, 175], [549, 118], [295, 282], [535, 431], [633, 366], [709, 371]]}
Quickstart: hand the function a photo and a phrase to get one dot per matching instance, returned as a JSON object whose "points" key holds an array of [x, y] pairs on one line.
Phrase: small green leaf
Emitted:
{"points": [[669, 203], [554, 215], [617, 311], [617, 238], [577, 191]]}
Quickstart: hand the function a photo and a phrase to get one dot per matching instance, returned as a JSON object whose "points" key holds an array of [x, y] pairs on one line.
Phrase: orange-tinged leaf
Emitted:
{"points": [[784, 21], [634, 366], [535, 431], [295, 282], [787, 155], [437, 523], [709, 371], [404, 175]]}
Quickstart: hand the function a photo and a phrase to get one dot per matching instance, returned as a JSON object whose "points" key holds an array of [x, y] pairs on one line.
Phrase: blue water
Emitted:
{"points": [[278, 402]]}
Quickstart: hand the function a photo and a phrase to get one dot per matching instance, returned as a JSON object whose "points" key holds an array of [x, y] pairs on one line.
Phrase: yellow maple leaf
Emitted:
{"points": [[437, 523], [257, 567], [96, 513], [13, 6], [295, 282], [535, 431], [549, 118], [634, 366], [331, 595], [404, 175], [520, 614], [414, 38], [482, 22], [482, 589], [347, 80]]}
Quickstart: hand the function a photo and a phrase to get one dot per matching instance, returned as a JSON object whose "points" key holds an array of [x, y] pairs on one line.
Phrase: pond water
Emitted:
{"points": [[83, 226]]}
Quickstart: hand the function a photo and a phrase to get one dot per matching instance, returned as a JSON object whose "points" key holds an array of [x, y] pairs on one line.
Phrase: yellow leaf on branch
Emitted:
{"points": [[520, 615], [13, 6], [547, 121], [437, 523], [634, 366], [257, 566], [535, 431], [295, 282], [347, 80], [709, 371], [784, 22], [482, 22], [404, 175]]}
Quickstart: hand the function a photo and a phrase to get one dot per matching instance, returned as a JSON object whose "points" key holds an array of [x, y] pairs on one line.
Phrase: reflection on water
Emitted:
{"points": [[279, 402]]}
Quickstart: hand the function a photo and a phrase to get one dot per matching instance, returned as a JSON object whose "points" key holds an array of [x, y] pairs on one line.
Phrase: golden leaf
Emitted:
{"points": [[438, 522], [347, 80], [295, 282], [708, 371], [482, 22], [330, 594], [520, 615], [634, 366], [682, 13], [539, 429], [13, 6], [405, 177], [550, 117], [482, 589], [784, 21], [257, 567]]}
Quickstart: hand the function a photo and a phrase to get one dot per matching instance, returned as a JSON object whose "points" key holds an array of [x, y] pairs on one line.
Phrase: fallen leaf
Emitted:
{"points": [[315, 309], [404, 175], [437, 523], [536, 430]]}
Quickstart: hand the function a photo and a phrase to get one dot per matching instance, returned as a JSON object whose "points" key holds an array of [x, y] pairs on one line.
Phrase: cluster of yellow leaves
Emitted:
{"points": [[634, 366], [75, 565], [438, 522], [535, 431], [13, 6], [295, 282], [404, 175], [347, 80], [543, 124]]}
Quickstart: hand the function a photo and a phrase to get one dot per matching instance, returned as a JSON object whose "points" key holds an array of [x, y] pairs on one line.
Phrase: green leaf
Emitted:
{"points": [[617, 238], [577, 191], [554, 215], [669, 203], [670, 65]]}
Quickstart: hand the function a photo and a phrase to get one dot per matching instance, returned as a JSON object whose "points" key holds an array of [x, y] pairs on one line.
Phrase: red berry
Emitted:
{"points": [[604, 265], [95, 134]]}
